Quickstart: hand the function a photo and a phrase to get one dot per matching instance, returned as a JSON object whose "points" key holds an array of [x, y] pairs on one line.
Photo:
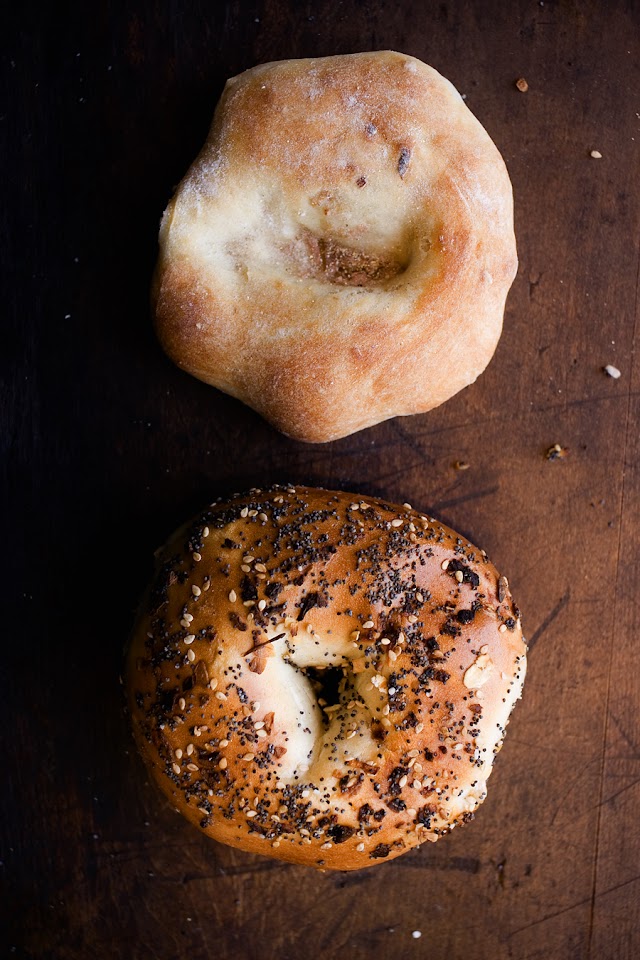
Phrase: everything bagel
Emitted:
{"points": [[341, 250], [323, 678]]}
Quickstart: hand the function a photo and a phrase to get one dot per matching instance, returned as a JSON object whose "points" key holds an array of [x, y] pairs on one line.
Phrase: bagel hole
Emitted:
{"points": [[326, 683]]}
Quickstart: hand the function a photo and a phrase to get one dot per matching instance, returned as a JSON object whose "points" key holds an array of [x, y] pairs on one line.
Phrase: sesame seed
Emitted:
{"points": [[360, 847], [276, 843], [416, 785], [407, 506], [248, 757], [612, 371], [182, 703], [502, 628], [224, 743], [326, 846], [205, 532], [245, 568], [190, 638], [385, 642], [175, 768], [188, 617], [178, 754], [190, 749], [191, 655], [444, 564], [414, 753], [412, 618], [224, 763], [195, 590], [367, 624], [402, 782], [260, 567], [263, 517], [244, 512], [393, 655], [261, 733], [233, 596], [262, 604], [391, 691], [416, 934], [220, 695], [247, 558], [213, 683], [197, 556], [596, 155], [397, 522], [351, 734], [251, 813], [459, 576]]}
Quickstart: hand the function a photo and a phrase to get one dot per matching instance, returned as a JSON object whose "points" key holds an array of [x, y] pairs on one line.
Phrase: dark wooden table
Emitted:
{"points": [[107, 447]]}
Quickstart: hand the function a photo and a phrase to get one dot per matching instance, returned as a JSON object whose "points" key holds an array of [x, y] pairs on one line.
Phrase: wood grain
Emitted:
{"points": [[107, 447]]}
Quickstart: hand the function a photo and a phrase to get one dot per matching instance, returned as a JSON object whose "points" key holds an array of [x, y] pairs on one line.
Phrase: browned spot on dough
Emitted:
{"points": [[327, 259], [404, 160]]}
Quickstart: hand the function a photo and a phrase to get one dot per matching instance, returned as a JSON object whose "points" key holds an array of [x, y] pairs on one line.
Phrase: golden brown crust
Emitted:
{"points": [[341, 250], [321, 678]]}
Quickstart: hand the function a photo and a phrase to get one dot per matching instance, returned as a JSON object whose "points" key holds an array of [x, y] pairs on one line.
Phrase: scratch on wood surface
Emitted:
{"points": [[582, 770], [618, 886], [573, 906], [549, 916], [546, 623], [411, 442], [464, 498], [579, 402], [625, 736], [615, 795]]}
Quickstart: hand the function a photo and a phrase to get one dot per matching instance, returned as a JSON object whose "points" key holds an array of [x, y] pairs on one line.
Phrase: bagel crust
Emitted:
{"points": [[340, 251], [323, 679]]}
